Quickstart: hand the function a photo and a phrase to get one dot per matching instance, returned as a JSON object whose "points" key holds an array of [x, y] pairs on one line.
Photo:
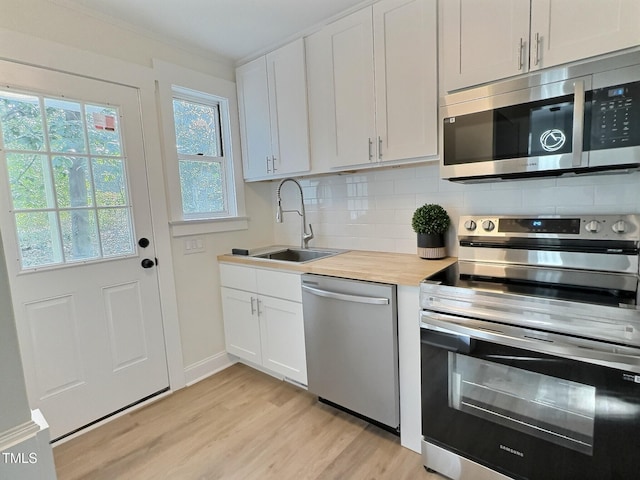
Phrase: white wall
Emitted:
{"points": [[198, 280], [53, 21], [372, 210]]}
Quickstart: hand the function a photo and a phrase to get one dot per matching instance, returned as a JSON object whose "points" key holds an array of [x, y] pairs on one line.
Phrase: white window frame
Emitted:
{"points": [[222, 106], [172, 82]]}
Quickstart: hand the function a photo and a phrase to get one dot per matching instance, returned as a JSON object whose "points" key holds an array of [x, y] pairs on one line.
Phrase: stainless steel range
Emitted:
{"points": [[530, 350]]}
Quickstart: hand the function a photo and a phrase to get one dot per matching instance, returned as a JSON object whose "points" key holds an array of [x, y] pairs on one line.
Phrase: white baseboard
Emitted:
{"points": [[207, 367]]}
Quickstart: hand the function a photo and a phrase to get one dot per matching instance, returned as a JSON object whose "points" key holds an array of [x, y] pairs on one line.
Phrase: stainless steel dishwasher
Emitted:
{"points": [[351, 337]]}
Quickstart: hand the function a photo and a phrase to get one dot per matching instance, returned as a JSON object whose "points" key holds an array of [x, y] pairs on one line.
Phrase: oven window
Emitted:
{"points": [[553, 409]]}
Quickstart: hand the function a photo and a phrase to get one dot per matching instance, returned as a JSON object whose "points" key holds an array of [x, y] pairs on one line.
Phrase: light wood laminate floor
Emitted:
{"points": [[238, 424]]}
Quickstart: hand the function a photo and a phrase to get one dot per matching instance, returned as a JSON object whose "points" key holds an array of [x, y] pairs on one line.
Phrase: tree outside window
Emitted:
{"points": [[201, 156]]}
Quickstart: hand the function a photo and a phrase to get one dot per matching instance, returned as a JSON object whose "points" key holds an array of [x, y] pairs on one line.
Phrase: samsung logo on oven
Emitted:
{"points": [[512, 451]]}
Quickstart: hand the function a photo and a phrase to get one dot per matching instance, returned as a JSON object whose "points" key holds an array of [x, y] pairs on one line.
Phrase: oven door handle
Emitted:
{"points": [[582, 350]]}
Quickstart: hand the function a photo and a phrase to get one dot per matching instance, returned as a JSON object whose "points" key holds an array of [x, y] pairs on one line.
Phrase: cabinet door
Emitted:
{"points": [[341, 93], [288, 108], [282, 330], [405, 78], [255, 130], [483, 40], [241, 324], [568, 30]]}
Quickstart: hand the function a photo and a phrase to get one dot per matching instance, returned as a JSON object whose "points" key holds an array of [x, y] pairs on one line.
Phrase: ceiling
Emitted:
{"points": [[230, 28]]}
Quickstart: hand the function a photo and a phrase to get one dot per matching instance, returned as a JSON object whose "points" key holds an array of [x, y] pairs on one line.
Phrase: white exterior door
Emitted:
{"points": [[75, 211]]}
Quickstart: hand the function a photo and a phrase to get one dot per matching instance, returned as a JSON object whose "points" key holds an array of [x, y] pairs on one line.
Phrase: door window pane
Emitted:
{"points": [[21, 122], [110, 182], [73, 185], [38, 239], [79, 234], [115, 231], [103, 131], [554, 409], [64, 126], [30, 189], [70, 202]]}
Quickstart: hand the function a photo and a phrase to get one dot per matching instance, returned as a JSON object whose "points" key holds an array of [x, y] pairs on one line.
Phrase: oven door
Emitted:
{"points": [[492, 395]]}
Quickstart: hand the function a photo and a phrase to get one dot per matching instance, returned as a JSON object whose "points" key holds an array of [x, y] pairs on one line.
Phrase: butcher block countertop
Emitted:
{"points": [[394, 268]]}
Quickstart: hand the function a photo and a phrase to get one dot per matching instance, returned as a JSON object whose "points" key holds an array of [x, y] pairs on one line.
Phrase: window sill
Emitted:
{"points": [[183, 228]]}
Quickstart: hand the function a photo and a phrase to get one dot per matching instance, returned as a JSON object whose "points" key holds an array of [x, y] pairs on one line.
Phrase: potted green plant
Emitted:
{"points": [[431, 222]]}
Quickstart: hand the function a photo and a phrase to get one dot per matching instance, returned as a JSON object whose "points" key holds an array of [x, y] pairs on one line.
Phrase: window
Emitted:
{"points": [[203, 164], [65, 165]]}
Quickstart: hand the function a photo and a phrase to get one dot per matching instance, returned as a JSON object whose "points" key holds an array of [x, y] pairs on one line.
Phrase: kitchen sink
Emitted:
{"points": [[298, 255]]}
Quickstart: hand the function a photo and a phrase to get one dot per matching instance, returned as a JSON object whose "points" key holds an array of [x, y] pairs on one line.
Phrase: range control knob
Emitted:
{"points": [[488, 225], [619, 227], [593, 226], [470, 225]]}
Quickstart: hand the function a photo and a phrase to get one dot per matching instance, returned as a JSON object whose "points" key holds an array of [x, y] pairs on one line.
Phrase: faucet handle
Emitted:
{"points": [[307, 236]]}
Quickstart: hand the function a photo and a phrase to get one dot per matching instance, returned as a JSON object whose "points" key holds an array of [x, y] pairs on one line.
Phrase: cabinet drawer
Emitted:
{"points": [[241, 278], [279, 284]]}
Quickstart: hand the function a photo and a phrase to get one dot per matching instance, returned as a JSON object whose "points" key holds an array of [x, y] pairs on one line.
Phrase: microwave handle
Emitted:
{"points": [[578, 122]]}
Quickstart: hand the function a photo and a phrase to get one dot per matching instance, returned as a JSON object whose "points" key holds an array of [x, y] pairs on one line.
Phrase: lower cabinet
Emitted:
{"points": [[265, 330]]}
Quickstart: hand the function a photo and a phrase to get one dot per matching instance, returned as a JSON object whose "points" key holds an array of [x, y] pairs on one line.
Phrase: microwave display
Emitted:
{"points": [[615, 117], [536, 128]]}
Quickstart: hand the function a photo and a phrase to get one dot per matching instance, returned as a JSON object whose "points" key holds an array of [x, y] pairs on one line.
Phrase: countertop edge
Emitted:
{"points": [[384, 267]]}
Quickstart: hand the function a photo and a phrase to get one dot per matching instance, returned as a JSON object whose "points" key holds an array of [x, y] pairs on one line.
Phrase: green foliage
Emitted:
{"points": [[431, 219]]}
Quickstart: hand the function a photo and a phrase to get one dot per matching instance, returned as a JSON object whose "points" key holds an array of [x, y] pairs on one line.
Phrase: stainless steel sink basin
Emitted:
{"points": [[298, 255]]}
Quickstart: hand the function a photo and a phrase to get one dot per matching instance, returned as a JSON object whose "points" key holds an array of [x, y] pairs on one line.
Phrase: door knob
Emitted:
{"points": [[143, 242], [147, 263]]}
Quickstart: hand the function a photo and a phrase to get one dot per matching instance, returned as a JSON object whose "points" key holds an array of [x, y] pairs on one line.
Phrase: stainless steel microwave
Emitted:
{"points": [[579, 119]]}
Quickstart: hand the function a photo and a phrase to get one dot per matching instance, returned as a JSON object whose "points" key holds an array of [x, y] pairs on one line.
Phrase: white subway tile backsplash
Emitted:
{"points": [[372, 210], [614, 195]]}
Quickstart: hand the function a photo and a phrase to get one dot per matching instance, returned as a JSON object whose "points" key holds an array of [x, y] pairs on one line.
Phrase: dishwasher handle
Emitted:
{"points": [[345, 296]]}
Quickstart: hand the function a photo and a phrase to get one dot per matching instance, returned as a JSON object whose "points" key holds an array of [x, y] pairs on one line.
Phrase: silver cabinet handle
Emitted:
{"points": [[268, 169], [537, 50], [258, 302], [253, 309], [345, 296], [273, 164], [521, 54], [578, 122], [590, 351], [379, 148], [370, 150]]}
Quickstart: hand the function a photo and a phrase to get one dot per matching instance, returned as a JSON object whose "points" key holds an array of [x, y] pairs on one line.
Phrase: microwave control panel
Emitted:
{"points": [[615, 116]]}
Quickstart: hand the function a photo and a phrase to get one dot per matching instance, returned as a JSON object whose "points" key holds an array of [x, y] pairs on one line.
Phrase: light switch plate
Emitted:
{"points": [[194, 245]]}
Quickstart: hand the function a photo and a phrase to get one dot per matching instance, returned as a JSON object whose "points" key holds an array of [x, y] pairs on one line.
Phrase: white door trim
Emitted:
{"points": [[21, 48]]}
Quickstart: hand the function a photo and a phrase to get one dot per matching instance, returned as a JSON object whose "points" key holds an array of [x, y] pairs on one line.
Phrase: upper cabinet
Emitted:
{"points": [[272, 99], [488, 40], [372, 82]]}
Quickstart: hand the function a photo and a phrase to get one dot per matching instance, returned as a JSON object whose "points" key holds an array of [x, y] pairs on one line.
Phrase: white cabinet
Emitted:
{"points": [[263, 319], [372, 86], [568, 30], [242, 324], [272, 100], [488, 40]]}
